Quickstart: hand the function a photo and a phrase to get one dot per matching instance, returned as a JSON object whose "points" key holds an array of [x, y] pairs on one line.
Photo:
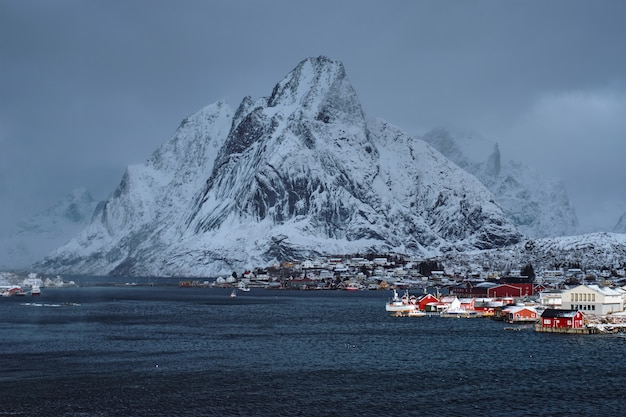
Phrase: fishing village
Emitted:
{"points": [[565, 300]]}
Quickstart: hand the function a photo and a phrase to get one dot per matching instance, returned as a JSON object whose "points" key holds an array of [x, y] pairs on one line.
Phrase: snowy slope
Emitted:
{"points": [[36, 236], [588, 251], [298, 173], [538, 206], [143, 215]]}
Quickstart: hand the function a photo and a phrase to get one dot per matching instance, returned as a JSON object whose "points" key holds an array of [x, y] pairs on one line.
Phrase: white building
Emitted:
{"points": [[381, 261], [593, 299], [551, 299]]}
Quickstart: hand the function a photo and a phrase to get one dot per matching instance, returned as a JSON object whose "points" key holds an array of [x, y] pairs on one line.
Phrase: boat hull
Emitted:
{"points": [[404, 308]]}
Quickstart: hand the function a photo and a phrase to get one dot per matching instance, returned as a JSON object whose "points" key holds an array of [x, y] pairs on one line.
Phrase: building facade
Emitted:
{"points": [[593, 299], [562, 319]]}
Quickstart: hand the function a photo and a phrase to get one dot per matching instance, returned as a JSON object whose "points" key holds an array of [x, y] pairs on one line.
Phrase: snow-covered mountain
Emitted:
{"points": [[36, 236], [296, 174], [537, 205]]}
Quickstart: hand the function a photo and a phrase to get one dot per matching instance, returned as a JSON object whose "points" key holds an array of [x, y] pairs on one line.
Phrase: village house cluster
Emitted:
{"points": [[561, 300], [570, 300]]}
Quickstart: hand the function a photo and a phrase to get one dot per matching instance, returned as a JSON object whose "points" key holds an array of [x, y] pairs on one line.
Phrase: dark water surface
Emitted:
{"points": [[169, 351]]}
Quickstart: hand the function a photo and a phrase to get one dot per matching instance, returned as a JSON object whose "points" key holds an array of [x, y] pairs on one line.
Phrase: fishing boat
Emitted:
{"points": [[400, 305], [35, 290], [233, 294]]}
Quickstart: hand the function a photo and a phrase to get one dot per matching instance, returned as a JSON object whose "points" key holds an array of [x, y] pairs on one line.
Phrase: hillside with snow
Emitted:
{"points": [[299, 173], [590, 251]]}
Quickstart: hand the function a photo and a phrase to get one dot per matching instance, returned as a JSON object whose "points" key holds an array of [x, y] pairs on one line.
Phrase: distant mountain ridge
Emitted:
{"points": [[35, 236], [538, 206], [299, 173]]}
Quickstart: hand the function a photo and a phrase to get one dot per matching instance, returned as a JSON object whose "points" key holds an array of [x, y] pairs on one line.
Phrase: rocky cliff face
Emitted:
{"points": [[296, 174]]}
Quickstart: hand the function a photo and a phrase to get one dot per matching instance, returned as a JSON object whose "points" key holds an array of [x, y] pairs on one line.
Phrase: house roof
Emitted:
{"points": [[604, 290], [515, 309], [557, 313], [598, 289], [427, 296]]}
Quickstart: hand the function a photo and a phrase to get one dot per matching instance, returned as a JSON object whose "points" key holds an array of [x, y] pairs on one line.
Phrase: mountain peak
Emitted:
{"points": [[311, 80], [493, 162], [620, 227]]}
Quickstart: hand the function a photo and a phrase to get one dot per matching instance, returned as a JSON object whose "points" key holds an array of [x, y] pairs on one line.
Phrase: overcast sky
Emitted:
{"points": [[89, 87]]}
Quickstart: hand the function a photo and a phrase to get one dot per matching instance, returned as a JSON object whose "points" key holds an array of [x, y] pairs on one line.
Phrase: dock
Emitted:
{"points": [[566, 330]]}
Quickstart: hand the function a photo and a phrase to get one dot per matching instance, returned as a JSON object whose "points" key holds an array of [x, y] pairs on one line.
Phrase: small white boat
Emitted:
{"points": [[233, 294], [460, 313], [35, 290], [416, 313]]}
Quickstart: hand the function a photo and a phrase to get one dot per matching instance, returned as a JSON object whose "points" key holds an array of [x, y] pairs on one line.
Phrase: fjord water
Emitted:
{"points": [[169, 351]]}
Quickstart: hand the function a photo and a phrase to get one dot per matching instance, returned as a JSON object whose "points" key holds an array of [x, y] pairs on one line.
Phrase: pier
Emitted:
{"points": [[566, 330]]}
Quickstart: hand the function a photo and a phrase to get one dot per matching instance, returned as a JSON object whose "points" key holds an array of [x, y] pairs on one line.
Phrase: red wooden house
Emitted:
{"points": [[562, 319], [424, 300], [467, 303], [520, 314], [469, 289], [525, 284], [510, 290]]}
